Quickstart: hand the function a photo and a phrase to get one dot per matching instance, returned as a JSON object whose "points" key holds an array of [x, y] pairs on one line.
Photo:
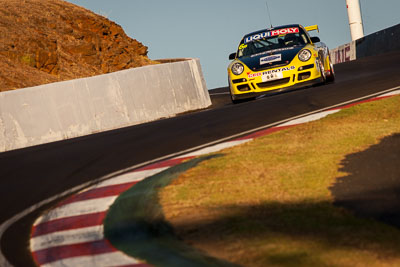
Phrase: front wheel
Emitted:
{"points": [[331, 76], [322, 70], [237, 101], [233, 100]]}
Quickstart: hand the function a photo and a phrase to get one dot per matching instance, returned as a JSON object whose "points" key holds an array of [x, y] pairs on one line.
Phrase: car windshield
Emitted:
{"points": [[271, 43]]}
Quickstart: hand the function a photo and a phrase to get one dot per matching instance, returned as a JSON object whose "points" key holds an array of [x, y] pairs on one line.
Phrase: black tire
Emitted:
{"points": [[233, 100], [238, 101], [322, 70], [331, 77]]}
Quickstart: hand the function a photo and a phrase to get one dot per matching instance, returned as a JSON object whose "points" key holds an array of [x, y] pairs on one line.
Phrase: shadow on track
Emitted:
{"points": [[372, 187]]}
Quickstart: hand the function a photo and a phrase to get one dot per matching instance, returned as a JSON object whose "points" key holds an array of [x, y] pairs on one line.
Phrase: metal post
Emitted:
{"points": [[355, 21]]}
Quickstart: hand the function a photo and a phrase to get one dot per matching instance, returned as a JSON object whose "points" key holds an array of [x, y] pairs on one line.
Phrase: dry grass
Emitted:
{"points": [[43, 41], [268, 203]]}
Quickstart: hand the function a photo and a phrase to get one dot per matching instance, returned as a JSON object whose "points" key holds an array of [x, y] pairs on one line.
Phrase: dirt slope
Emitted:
{"points": [[43, 41]]}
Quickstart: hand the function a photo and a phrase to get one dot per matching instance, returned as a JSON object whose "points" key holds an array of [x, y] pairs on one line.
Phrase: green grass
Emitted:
{"points": [[268, 203]]}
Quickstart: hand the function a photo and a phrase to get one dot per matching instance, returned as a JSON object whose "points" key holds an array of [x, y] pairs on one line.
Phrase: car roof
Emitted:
{"points": [[273, 28]]}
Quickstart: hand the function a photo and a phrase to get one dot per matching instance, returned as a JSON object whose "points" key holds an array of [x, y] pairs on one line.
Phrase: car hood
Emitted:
{"points": [[269, 59]]}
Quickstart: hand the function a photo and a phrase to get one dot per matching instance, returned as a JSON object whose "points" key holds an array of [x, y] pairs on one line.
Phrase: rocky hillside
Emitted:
{"points": [[43, 41]]}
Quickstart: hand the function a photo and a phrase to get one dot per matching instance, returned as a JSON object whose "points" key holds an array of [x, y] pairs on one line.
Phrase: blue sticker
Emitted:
{"points": [[270, 59]]}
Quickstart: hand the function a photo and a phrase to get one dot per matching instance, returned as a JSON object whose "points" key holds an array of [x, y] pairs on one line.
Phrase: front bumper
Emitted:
{"points": [[251, 84], [274, 91]]}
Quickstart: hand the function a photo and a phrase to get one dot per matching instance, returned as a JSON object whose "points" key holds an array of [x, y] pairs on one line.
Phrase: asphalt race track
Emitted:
{"points": [[28, 176]]}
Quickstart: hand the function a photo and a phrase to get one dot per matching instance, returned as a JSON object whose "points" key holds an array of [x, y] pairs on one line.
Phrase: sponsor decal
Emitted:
{"points": [[270, 59], [269, 72], [242, 46], [284, 31], [279, 70], [272, 51], [270, 34], [257, 37], [253, 75]]}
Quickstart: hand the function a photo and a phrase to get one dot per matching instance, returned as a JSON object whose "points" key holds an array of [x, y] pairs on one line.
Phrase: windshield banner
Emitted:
{"points": [[270, 34]]}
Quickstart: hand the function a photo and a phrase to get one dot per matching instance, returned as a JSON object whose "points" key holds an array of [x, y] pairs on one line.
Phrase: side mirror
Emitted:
{"points": [[232, 56], [315, 39]]}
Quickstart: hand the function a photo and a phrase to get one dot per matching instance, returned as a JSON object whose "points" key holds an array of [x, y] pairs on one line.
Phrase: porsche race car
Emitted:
{"points": [[277, 59]]}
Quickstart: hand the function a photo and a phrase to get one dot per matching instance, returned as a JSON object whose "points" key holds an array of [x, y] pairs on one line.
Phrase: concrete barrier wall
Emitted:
{"points": [[377, 43], [68, 109]]}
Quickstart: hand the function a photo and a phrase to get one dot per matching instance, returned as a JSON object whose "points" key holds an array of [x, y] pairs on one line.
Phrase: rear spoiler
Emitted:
{"points": [[312, 28]]}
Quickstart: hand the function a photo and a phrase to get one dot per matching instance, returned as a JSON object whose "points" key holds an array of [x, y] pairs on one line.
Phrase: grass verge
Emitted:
{"points": [[268, 202]]}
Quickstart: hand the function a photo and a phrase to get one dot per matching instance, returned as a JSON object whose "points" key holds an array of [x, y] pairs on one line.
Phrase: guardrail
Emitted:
{"points": [[377, 43], [63, 110]]}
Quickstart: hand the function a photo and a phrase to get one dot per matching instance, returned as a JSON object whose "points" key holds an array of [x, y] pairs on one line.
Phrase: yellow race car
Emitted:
{"points": [[277, 59]]}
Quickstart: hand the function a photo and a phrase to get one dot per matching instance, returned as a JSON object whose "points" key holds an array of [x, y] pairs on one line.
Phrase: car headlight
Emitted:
{"points": [[237, 68], [304, 55]]}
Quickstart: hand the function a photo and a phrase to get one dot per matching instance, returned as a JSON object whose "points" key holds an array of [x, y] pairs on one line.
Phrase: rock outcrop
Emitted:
{"points": [[43, 41]]}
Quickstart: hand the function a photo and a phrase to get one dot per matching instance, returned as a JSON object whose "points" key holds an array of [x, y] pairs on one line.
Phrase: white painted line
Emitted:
{"points": [[129, 177], [397, 92], [309, 118], [102, 260], [224, 93], [77, 208], [69, 237], [215, 148]]}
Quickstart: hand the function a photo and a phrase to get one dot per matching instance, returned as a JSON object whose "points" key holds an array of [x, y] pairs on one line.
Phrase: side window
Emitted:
{"points": [[242, 47], [304, 38]]}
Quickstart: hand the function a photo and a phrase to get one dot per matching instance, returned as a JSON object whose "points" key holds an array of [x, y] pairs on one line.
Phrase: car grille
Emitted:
{"points": [[273, 83], [239, 80], [243, 87], [304, 75]]}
